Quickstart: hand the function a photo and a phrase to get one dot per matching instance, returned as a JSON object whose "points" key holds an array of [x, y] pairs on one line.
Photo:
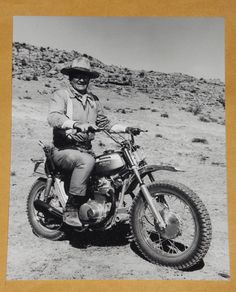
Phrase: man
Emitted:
{"points": [[74, 113]]}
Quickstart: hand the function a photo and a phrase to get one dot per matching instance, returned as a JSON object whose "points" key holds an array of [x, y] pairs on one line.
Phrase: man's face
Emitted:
{"points": [[80, 82]]}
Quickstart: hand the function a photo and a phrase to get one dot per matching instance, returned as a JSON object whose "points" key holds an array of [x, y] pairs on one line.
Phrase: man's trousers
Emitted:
{"points": [[80, 164]]}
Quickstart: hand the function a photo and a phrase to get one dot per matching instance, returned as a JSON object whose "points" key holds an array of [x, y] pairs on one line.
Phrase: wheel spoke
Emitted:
{"points": [[173, 247], [148, 220]]}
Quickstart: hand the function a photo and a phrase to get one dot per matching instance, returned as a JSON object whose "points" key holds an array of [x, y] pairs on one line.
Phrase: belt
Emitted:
{"points": [[85, 146]]}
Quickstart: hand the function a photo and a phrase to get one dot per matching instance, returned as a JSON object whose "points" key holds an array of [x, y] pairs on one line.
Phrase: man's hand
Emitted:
{"points": [[134, 131], [85, 127]]}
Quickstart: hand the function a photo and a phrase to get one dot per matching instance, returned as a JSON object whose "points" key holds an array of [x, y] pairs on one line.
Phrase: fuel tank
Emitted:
{"points": [[109, 163]]}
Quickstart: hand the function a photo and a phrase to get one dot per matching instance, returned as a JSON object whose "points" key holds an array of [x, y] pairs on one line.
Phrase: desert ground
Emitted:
{"points": [[110, 255]]}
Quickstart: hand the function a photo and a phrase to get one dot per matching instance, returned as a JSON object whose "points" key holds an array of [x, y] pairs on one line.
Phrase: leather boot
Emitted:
{"points": [[70, 215]]}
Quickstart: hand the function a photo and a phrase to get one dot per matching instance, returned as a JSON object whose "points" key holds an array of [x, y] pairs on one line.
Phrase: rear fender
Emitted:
{"points": [[147, 169], [39, 168]]}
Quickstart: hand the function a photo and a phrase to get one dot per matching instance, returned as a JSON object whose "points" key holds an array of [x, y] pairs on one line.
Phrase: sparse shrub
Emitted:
{"points": [[142, 108], [142, 74], [203, 158], [158, 136], [221, 100], [157, 125], [28, 78], [195, 108], [200, 140], [107, 107], [27, 97], [204, 119], [154, 110], [35, 77], [213, 120], [13, 173], [165, 115], [119, 110], [47, 85], [222, 164], [23, 62]]}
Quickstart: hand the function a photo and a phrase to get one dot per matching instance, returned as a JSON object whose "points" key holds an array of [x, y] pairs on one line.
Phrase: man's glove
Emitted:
{"points": [[85, 127], [134, 131]]}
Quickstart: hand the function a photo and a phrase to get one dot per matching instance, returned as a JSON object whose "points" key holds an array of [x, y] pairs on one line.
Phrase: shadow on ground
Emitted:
{"points": [[119, 236]]}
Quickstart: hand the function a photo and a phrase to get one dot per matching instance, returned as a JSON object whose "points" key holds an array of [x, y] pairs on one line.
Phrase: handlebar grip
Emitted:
{"points": [[91, 129]]}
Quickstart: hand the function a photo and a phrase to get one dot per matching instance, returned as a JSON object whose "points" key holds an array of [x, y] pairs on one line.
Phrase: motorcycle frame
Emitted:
{"points": [[138, 173]]}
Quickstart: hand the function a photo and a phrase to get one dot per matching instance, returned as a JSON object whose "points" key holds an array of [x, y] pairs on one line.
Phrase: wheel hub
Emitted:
{"points": [[173, 224]]}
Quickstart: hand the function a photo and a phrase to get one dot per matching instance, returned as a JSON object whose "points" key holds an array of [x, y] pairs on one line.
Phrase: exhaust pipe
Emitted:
{"points": [[47, 209]]}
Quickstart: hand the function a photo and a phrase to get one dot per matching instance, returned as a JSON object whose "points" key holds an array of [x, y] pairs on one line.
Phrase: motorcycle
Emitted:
{"points": [[169, 223]]}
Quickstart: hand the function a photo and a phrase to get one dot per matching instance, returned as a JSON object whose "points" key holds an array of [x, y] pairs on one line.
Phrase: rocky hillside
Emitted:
{"points": [[200, 96]]}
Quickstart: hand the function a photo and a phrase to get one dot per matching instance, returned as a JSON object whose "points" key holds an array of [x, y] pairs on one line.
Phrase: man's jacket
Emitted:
{"points": [[67, 107]]}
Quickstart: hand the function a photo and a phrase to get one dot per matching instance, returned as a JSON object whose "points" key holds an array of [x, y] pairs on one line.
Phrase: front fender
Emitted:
{"points": [[145, 170]]}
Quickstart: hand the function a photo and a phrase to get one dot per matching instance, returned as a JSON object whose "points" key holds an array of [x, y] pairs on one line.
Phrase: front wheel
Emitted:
{"points": [[41, 224], [187, 236]]}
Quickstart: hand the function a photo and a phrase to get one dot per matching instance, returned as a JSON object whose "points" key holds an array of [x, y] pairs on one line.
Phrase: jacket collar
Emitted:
{"points": [[83, 98]]}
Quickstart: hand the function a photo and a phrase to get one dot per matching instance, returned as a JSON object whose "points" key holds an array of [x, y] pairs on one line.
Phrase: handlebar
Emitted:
{"points": [[92, 130], [132, 131]]}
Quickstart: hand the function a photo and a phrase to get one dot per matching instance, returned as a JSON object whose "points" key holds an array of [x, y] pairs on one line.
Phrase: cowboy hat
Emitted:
{"points": [[80, 65]]}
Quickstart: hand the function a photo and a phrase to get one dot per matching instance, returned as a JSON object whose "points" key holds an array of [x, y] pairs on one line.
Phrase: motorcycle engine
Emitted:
{"points": [[97, 208]]}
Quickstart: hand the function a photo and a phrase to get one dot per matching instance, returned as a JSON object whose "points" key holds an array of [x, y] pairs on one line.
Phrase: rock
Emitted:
{"points": [[165, 115], [23, 62], [200, 140]]}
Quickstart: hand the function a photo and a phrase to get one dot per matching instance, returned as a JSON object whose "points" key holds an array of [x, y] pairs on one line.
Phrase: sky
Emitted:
{"points": [[193, 46]]}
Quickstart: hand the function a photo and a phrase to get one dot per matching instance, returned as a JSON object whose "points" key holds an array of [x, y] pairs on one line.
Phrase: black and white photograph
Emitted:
{"points": [[118, 157]]}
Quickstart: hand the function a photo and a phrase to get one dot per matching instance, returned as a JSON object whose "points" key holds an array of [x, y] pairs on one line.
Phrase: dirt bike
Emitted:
{"points": [[169, 223]]}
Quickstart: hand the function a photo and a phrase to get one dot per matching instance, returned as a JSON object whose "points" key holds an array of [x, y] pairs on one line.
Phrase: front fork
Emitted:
{"points": [[145, 191]]}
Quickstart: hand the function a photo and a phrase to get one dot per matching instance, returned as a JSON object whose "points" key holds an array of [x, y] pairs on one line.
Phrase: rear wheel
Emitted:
{"points": [[187, 236], [41, 224]]}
